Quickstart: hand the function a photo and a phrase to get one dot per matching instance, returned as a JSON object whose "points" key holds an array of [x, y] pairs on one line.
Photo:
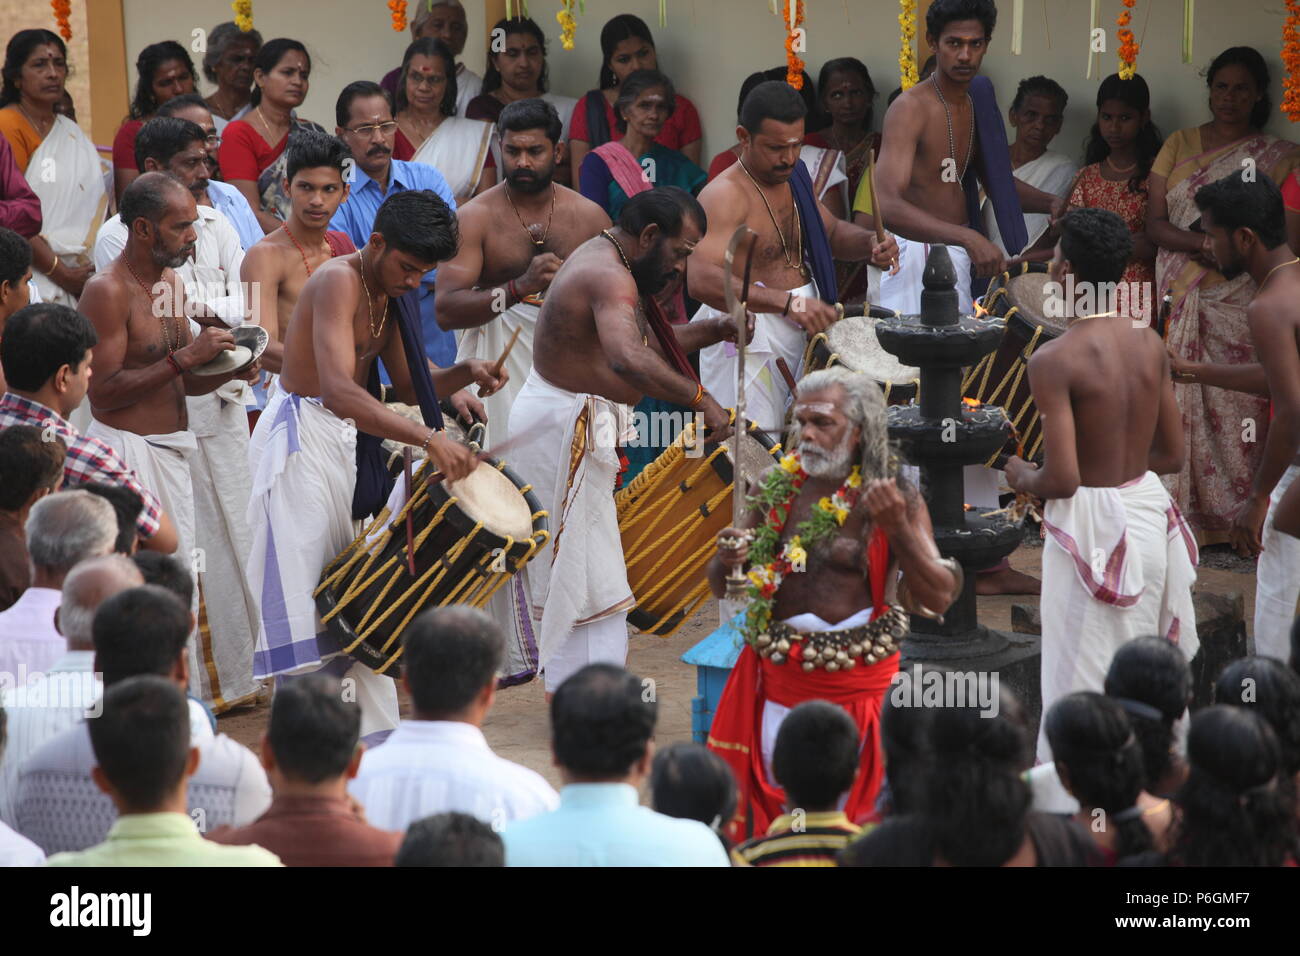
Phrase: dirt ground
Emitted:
{"points": [[517, 728]]}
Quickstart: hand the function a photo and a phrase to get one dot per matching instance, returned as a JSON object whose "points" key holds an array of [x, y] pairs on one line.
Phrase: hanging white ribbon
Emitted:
{"points": [[1093, 20], [1189, 18], [1017, 25]]}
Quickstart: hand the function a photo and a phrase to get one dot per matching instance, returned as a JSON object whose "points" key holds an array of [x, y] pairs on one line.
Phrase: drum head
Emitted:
{"points": [[488, 496], [1030, 294], [854, 340]]}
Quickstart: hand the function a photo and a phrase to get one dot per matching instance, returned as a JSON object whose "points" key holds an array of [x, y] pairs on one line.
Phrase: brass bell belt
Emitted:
{"points": [[836, 650]]}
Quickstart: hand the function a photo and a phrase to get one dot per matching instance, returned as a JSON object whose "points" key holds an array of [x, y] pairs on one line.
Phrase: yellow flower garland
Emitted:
{"points": [[243, 14], [908, 75]]}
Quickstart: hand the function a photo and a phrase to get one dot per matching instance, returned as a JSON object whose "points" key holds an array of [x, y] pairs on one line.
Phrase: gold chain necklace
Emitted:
{"points": [[952, 146], [162, 320], [32, 119], [370, 308], [532, 236], [1290, 262], [1123, 171], [645, 339], [798, 224]]}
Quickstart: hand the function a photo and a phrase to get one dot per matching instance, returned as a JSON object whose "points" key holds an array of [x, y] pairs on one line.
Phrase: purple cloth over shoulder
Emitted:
{"points": [[816, 245], [995, 161]]}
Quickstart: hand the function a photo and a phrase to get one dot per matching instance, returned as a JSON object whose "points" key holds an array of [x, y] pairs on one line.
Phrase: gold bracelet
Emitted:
{"points": [[53, 267]]}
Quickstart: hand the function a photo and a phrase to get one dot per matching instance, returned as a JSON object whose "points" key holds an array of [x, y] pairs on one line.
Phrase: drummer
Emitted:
{"points": [[312, 473], [769, 190]]}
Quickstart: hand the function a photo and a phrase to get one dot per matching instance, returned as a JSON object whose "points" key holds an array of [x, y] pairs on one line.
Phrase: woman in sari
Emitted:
{"points": [[428, 129], [74, 201], [229, 64], [163, 70], [1208, 320], [252, 154], [612, 174]]}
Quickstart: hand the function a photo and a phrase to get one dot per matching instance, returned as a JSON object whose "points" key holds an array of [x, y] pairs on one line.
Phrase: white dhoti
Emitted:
{"points": [[222, 487], [1118, 563], [1277, 581], [303, 464], [567, 449], [766, 394], [902, 292]]}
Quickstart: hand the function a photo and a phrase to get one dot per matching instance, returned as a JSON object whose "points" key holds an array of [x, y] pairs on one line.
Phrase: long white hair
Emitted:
{"points": [[864, 405]]}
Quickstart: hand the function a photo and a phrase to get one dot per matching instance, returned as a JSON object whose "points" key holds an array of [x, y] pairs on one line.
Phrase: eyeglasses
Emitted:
{"points": [[384, 128], [420, 81], [213, 139]]}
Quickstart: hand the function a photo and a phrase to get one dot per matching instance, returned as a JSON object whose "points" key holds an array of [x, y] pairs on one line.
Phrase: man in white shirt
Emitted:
{"points": [[63, 530], [15, 849], [70, 689], [222, 486], [439, 760], [143, 630]]}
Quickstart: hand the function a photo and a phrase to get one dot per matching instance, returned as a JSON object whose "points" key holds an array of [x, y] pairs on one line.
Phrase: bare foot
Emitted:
{"points": [[1007, 581]]}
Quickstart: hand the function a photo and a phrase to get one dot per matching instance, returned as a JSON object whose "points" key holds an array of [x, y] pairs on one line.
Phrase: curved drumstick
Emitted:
{"points": [[505, 353], [875, 208], [784, 369]]}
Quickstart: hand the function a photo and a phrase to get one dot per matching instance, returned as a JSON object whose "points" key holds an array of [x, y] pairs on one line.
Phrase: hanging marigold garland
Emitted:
{"points": [[399, 14], [908, 75], [1128, 46], [793, 64], [243, 14], [62, 11], [1291, 58], [568, 24]]}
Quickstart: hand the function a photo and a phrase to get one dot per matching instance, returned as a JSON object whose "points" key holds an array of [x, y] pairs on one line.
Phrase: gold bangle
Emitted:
{"points": [[54, 266]]}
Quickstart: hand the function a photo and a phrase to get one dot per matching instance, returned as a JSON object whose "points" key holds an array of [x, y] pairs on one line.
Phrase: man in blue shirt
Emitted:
{"points": [[602, 734], [366, 124]]}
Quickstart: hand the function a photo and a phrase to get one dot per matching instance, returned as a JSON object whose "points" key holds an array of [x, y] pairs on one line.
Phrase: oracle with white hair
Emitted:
{"points": [[864, 405], [68, 527]]}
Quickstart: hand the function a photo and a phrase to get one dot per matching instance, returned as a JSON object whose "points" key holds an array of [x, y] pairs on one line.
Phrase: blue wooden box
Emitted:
{"points": [[713, 659]]}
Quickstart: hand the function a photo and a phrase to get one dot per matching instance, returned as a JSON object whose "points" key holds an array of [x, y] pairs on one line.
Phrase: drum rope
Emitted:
{"points": [[419, 543], [695, 598], [688, 484], [674, 534], [683, 569]]}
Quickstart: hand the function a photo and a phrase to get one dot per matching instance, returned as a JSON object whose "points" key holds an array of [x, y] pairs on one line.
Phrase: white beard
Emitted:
{"points": [[820, 463]]}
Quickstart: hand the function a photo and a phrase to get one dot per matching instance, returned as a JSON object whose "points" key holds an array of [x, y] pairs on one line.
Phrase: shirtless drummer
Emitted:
{"points": [[303, 453]]}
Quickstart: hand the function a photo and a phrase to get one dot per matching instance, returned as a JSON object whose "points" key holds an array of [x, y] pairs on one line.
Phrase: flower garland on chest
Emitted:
{"points": [[771, 561]]}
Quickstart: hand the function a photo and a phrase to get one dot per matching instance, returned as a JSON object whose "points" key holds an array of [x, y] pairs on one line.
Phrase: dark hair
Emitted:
{"points": [[1150, 672], [163, 137], [944, 12], [808, 93], [514, 25], [1134, 94], [183, 102], [625, 26], [148, 194], [420, 224], [844, 64], [1097, 243], [151, 58], [450, 654], [451, 839], [1231, 810], [1255, 64], [530, 114], [141, 740], [691, 782], [816, 755], [269, 57], [126, 504], [1094, 744], [1040, 86], [312, 149], [904, 739], [139, 631], [27, 464], [428, 46], [665, 206], [39, 340], [15, 256], [17, 51], [771, 99], [637, 83], [166, 572], [313, 731], [601, 721], [219, 39], [354, 91], [1236, 203], [1273, 692]]}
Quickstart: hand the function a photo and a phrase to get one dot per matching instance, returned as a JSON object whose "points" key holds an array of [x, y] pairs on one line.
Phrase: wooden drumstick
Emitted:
{"points": [[875, 208], [500, 363], [784, 369]]}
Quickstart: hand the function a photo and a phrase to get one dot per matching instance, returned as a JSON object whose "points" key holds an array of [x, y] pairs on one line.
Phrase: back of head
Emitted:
{"points": [[693, 783], [313, 731], [15, 256], [451, 839], [1272, 690], [312, 149], [1097, 244], [530, 114], [28, 464], [667, 207], [1095, 748], [449, 655], [127, 505], [149, 194], [40, 339], [1236, 202], [816, 755], [167, 572], [1232, 811], [142, 740], [179, 104], [943, 12], [68, 527], [1150, 679], [771, 100], [358, 89], [601, 722], [142, 630], [163, 137], [904, 738], [86, 587], [418, 223]]}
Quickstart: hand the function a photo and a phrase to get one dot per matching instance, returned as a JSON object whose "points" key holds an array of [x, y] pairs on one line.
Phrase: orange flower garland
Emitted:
{"points": [[793, 64], [399, 14], [1291, 57], [63, 10], [1128, 46]]}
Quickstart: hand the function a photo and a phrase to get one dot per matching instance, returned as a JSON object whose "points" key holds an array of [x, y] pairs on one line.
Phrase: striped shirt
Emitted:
{"points": [[799, 839], [88, 459]]}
